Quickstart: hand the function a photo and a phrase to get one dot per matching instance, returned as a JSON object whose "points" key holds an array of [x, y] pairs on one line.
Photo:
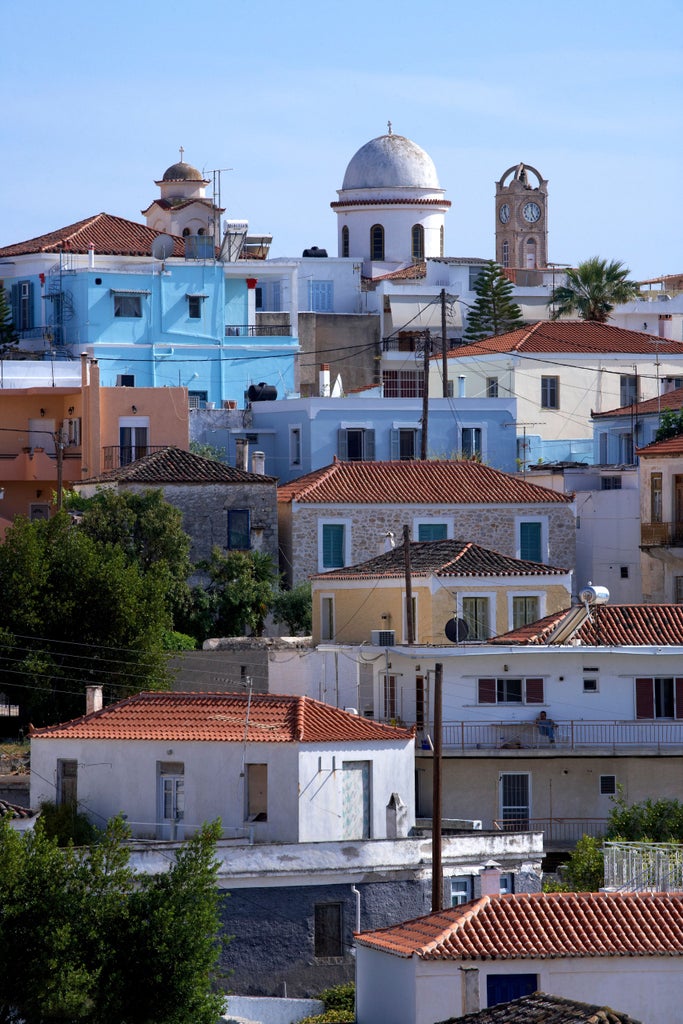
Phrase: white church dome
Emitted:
{"points": [[391, 161]]}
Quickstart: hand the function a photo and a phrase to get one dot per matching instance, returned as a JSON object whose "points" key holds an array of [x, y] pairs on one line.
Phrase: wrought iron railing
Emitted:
{"points": [[257, 330], [555, 830], [567, 735], [115, 456]]}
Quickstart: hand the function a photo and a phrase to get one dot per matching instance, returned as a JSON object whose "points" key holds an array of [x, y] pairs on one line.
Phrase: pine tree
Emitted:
{"points": [[9, 339], [494, 311]]}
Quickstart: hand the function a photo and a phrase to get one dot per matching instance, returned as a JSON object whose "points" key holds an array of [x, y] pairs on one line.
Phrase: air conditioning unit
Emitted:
{"points": [[383, 637]]}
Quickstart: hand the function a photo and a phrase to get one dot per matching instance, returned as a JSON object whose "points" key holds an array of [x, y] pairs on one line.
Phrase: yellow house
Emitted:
{"points": [[459, 592]]}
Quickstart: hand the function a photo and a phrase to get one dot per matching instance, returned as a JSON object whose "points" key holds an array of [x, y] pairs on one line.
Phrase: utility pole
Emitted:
{"points": [[410, 626], [425, 394], [444, 346], [437, 869]]}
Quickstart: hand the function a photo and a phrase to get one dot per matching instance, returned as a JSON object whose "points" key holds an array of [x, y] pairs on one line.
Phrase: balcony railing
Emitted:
{"points": [[570, 735], [258, 330], [115, 456], [660, 535], [560, 831]]}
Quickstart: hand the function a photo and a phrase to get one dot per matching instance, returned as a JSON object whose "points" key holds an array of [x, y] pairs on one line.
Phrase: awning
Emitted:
{"points": [[412, 313], [129, 291]]}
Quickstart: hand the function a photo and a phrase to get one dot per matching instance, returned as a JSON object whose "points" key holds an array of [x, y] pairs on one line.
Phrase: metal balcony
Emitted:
{"points": [[643, 736]]}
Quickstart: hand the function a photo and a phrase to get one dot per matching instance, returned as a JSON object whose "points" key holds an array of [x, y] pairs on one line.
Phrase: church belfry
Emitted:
{"points": [[522, 219]]}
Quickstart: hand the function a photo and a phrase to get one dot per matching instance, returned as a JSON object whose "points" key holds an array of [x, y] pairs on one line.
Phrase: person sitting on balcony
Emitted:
{"points": [[546, 726]]}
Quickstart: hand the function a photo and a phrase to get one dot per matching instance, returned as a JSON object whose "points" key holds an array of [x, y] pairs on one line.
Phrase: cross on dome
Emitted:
{"points": [[389, 127]]}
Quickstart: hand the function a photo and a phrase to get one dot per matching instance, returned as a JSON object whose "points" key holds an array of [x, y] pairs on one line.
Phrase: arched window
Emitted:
{"points": [[201, 231], [377, 242], [186, 232], [530, 259], [417, 242], [506, 254], [345, 241], [441, 240]]}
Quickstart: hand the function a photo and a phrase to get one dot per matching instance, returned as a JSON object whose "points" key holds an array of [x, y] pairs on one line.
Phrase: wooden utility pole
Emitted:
{"points": [[425, 394], [437, 870], [444, 346], [410, 626]]}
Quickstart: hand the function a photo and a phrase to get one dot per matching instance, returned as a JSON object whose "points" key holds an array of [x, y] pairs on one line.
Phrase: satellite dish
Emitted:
{"points": [[456, 630], [162, 247]]}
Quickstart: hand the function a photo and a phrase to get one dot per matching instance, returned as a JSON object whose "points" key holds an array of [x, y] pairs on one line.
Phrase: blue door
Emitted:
{"points": [[503, 988]]}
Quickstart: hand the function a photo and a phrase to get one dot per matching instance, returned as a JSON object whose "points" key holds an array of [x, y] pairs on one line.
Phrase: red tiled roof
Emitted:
{"points": [[416, 483], [442, 558], [540, 925], [669, 400], [110, 236], [539, 1008], [670, 446], [576, 337], [175, 465], [415, 270], [223, 717], [610, 625]]}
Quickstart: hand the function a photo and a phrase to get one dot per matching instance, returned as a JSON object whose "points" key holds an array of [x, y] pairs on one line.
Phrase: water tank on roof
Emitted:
{"points": [[315, 251], [262, 392]]}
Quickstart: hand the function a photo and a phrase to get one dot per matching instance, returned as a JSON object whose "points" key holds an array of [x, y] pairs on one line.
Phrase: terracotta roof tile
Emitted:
{"points": [[540, 1008], [610, 625], [539, 925], [175, 465], [578, 337], [222, 717], [409, 273], [110, 236], [671, 446], [416, 483], [442, 558], [669, 400]]}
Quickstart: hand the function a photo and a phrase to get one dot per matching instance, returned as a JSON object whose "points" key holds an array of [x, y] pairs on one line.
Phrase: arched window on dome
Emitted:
{"points": [[441, 241], [201, 231], [417, 242], [377, 242], [345, 241], [506, 253], [530, 254], [186, 232]]}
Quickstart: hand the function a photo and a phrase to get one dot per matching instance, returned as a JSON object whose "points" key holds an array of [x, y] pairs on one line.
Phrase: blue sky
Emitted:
{"points": [[97, 99]]}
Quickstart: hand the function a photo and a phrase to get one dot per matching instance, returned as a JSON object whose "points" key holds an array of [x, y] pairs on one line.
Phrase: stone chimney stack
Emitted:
{"points": [[242, 453], [93, 699], [258, 463]]}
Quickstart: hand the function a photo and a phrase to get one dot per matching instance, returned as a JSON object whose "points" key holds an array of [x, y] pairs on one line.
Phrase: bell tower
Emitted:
{"points": [[522, 219]]}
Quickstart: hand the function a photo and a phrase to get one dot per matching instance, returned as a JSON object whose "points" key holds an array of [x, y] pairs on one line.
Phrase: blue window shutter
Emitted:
{"points": [[30, 304], [530, 542], [395, 453], [333, 545], [15, 306], [369, 446]]}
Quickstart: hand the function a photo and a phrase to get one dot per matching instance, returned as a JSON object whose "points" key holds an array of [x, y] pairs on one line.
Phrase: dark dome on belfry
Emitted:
{"points": [[391, 161], [182, 172]]}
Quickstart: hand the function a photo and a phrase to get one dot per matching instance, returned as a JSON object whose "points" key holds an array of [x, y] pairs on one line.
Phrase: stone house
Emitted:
{"points": [[660, 472], [348, 512], [222, 506]]}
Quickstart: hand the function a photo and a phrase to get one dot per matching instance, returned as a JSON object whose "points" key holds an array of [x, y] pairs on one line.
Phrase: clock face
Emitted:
{"points": [[531, 212], [504, 213]]}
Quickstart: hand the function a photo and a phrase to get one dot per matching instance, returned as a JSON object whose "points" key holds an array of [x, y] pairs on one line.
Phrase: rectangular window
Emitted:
{"points": [[333, 545], [550, 392], [503, 988], [656, 498], [295, 446], [515, 799], [390, 698], [530, 542], [524, 610], [328, 934], [474, 274], [659, 697], [133, 444], [197, 399], [22, 305], [510, 691], [678, 589], [403, 383], [239, 529], [623, 572], [327, 618], [590, 684], [625, 452], [610, 483], [471, 442], [129, 306], [39, 510], [356, 444], [475, 612], [321, 296], [608, 785], [507, 882], [404, 444], [492, 387], [432, 531], [256, 796], [628, 389], [171, 776], [194, 307], [461, 890], [125, 380]]}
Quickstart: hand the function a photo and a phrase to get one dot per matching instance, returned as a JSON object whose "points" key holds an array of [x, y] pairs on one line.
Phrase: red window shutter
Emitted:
{"points": [[534, 691], [679, 698], [487, 691], [645, 699]]}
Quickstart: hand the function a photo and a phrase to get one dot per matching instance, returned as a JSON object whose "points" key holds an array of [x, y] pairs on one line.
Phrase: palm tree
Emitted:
{"points": [[592, 290]]}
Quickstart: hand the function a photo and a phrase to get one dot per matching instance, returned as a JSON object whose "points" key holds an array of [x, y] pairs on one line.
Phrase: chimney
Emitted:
{"points": [[258, 463], [241, 453], [91, 256], [490, 879], [461, 387], [470, 989], [93, 699], [324, 380]]}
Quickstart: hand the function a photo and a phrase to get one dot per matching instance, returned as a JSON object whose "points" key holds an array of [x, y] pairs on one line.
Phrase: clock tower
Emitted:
{"points": [[522, 219]]}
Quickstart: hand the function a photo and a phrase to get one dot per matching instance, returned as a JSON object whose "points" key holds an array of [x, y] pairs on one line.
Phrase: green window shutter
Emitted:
{"points": [[333, 546], [530, 542], [432, 531]]}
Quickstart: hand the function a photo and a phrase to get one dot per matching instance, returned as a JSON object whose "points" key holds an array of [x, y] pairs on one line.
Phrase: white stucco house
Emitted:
{"points": [[274, 768], [614, 949]]}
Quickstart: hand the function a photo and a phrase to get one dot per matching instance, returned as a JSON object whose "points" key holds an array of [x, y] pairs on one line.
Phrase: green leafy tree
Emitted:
{"points": [[295, 607], [654, 821], [208, 451], [493, 311], [238, 594], [9, 338], [592, 290], [83, 939], [670, 424], [584, 871], [75, 612]]}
